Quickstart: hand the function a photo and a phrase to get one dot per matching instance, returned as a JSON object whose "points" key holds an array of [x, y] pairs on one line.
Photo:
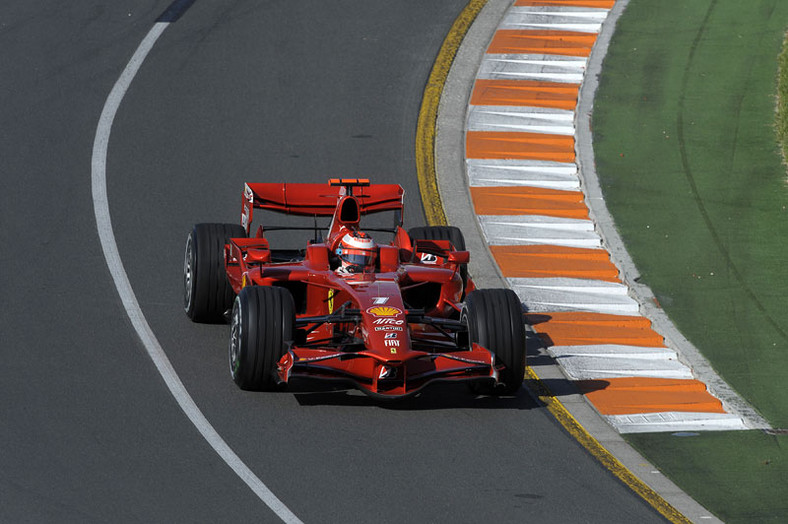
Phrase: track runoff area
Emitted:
{"points": [[526, 191]]}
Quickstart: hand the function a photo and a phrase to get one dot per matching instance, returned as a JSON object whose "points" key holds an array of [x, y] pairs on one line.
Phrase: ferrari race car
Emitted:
{"points": [[390, 318]]}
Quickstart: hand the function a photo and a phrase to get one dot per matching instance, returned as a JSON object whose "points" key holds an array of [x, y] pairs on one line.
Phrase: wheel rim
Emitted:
{"points": [[188, 274], [235, 339]]}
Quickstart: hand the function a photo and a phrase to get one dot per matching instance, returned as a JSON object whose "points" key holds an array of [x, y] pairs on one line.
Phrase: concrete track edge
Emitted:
{"points": [[582, 420]]}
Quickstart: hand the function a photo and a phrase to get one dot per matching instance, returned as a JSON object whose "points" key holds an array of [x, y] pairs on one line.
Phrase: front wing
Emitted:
{"points": [[387, 378]]}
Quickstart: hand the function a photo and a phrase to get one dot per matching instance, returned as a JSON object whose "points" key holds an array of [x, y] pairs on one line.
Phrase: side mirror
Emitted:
{"points": [[459, 257]]}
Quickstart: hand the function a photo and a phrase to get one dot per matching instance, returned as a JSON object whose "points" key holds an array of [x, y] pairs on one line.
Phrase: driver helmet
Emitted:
{"points": [[357, 252]]}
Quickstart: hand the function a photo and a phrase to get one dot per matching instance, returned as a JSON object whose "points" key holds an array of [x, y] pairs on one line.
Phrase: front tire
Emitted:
{"points": [[495, 320], [207, 294], [262, 326]]}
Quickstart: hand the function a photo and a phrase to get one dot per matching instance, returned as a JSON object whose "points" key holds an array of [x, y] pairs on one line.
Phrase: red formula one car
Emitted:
{"points": [[390, 318]]}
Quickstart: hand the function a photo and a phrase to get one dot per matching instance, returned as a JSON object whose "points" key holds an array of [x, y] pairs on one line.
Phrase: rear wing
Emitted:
{"points": [[317, 199]]}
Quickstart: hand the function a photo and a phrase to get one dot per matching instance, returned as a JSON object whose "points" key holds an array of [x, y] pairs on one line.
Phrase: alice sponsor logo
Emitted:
{"points": [[388, 322]]}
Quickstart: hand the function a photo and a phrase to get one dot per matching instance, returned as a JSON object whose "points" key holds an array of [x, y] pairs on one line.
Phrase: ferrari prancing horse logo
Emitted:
{"points": [[331, 294]]}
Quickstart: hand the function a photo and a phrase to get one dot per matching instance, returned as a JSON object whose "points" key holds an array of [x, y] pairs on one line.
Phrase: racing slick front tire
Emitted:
{"points": [[495, 320], [262, 325], [450, 233], [207, 294]]}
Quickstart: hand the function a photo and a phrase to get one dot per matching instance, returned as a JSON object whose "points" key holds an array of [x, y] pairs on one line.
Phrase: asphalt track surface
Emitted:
{"points": [[232, 91]]}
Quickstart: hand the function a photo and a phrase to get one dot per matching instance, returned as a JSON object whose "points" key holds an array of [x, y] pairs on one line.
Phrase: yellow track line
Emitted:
{"points": [[433, 211]]}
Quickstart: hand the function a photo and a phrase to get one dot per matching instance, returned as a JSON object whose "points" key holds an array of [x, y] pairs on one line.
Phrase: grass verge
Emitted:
{"points": [[741, 475], [689, 163], [782, 101]]}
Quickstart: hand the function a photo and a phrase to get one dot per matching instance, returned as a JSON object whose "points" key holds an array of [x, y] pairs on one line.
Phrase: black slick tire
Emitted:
{"points": [[261, 327], [495, 320], [207, 295]]}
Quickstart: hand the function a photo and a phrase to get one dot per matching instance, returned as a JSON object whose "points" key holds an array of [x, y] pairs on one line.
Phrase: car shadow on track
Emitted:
{"points": [[556, 388], [445, 397], [435, 397]]}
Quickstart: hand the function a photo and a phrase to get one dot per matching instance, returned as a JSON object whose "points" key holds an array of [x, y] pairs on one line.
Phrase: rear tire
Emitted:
{"points": [[495, 320], [450, 233], [262, 326], [207, 294]]}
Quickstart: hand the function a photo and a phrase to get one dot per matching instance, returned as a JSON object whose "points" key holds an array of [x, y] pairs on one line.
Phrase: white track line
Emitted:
{"points": [[115, 265]]}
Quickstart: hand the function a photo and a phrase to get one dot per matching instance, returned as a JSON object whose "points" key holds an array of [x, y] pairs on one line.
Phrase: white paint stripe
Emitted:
{"points": [[583, 21], [541, 295], [536, 76], [548, 68], [127, 296], [615, 361], [675, 421], [536, 229], [534, 173], [541, 114], [594, 13], [551, 25], [496, 61], [597, 287], [523, 119]]}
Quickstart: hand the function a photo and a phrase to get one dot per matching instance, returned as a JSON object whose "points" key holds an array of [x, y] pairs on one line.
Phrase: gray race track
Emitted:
{"points": [[234, 91]]}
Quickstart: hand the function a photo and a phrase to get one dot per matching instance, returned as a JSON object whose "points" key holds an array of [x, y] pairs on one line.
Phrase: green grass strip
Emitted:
{"points": [[742, 476], [782, 101]]}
